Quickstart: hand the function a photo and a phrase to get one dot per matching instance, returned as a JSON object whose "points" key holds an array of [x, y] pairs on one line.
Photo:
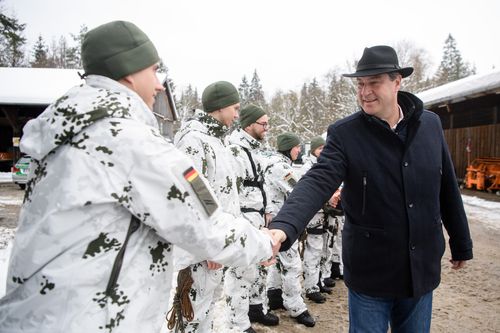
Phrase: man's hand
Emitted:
{"points": [[278, 237], [213, 265], [268, 217], [457, 264], [334, 200]]}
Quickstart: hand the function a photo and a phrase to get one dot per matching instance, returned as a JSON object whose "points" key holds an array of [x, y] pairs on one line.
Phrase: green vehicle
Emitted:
{"points": [[20, 171]]}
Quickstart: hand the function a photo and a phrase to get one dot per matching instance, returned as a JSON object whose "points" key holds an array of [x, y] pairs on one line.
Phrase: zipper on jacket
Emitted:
{"points": [[364, 194]]}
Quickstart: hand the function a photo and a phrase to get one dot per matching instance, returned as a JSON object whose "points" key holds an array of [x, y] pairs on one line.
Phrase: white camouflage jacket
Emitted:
{"points": [[202, 138], [98, 159], [249, 176], [318, 219], [280, 178]]}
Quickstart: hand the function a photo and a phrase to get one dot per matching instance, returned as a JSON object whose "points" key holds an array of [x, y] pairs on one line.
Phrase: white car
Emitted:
{"points": [[20, 171]]}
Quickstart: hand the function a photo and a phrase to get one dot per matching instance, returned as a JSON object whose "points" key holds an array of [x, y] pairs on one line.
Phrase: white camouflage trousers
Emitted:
{"points": [[285, 275], [337, 245], [245, 285], [327, 252], [205, 291], [313, 252], [242, 287], [312, 258]]}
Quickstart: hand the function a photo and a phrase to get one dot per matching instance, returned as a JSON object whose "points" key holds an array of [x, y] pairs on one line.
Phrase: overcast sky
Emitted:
{"points": [[287, 41]]}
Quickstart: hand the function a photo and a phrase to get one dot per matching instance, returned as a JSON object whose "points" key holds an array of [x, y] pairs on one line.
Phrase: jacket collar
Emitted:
{"points": [[411, 106]]}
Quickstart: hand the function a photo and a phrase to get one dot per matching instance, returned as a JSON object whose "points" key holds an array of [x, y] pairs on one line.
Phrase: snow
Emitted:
{"points": [[463, 89], [5, 177], [6, 236], [30, 86], [487, 212], [483, 211], [38, 86]]}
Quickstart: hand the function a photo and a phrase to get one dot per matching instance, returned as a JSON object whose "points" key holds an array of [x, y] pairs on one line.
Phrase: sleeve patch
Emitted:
{"points": [[201, 190], [290, 179]]}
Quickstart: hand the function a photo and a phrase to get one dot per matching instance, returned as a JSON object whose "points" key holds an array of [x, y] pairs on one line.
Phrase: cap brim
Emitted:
{"points": [[405, 72]]}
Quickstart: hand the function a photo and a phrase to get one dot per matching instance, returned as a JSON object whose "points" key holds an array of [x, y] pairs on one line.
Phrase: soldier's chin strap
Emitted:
{"points": [[181, 307]]}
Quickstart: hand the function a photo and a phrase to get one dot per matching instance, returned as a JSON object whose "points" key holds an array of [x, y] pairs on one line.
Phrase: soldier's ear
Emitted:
{"points": [[127, 81]]}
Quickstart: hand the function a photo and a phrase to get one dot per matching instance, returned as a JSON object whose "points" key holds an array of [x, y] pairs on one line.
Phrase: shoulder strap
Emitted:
{"points": [[117, 265], [256, 177]]}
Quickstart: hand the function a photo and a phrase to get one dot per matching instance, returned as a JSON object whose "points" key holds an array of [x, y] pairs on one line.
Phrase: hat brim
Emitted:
{"points": [[405, 72]]}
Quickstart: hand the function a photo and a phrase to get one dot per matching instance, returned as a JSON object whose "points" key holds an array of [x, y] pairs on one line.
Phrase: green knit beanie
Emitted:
{"points": [[250, 114], [316, 142], [218, 95], [117, 49], [287, 141]]}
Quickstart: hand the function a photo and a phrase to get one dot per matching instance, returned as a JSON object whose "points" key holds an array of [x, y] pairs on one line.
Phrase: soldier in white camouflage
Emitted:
{"points": [[202, 138], [284, 287], [107, 200], [315, 242], [335, 268], [245, 287]]}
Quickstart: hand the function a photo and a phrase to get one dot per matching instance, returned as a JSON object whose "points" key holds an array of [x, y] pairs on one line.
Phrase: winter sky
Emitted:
{"points": [[289, 42]]}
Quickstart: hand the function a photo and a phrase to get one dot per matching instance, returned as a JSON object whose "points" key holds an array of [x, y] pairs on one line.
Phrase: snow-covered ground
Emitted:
{"points": [[483, 211], [487, 212], [5, 177]]}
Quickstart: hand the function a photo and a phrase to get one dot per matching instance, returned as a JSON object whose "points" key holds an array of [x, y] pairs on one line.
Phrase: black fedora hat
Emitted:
{"points": [[378, 60]]}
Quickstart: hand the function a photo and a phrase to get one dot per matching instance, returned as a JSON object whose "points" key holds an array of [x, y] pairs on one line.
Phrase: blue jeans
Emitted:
{"points": [[373, 314]]}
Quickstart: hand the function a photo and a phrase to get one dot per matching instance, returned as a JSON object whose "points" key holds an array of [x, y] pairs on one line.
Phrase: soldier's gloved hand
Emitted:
{"points": [[213, 265]]}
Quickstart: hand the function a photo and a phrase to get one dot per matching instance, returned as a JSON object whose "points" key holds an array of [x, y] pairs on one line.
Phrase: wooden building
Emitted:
{"points": [[26, 92], [470, 113]]}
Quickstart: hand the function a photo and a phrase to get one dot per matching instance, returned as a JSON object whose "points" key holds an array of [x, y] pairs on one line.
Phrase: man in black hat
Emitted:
{"points": [[399, 190]]}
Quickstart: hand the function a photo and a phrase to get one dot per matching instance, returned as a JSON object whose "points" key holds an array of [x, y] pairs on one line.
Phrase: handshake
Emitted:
{"points": [[277, 237]]}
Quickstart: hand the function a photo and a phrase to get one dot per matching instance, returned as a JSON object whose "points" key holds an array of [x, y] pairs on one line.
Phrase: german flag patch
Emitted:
{"points": [[200, 189], [290, 179]]}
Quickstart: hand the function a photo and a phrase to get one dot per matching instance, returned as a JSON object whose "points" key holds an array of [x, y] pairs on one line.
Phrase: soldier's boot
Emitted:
{"points": [[316, 297], [324, 289], [305, 319], [256, 315], [329, 282], [275, 297], [336, 271]]}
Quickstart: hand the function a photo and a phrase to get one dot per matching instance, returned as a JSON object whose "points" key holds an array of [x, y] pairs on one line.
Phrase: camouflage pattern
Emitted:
{"points": [[99, 158], [314, 244], [280, 179], [246, 285], [337, 244], [327, 253], [202, 138]]}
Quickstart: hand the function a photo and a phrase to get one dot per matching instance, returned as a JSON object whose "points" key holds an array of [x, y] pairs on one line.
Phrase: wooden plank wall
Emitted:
{"points": [[485, 142]]}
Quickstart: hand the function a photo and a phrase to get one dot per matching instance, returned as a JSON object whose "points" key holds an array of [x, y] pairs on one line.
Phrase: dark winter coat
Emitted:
{"points": [[399, 189]]}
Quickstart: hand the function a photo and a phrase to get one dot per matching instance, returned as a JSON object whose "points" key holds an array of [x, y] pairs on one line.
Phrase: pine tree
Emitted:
{"points": [[188, 102], [244, 90], [284, 114], [341, 97], [256, 94], [40, 54], [74, 54], [452, 66], [12, 41]]}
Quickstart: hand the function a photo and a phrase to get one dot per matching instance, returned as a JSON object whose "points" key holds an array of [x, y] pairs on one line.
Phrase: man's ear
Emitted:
{"points": [[127, 81], [398, 80]]}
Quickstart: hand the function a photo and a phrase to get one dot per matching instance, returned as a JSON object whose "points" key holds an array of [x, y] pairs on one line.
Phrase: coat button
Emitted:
{"points": [[412, 247], [410, 205], [367, 234], [405, 164]]}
